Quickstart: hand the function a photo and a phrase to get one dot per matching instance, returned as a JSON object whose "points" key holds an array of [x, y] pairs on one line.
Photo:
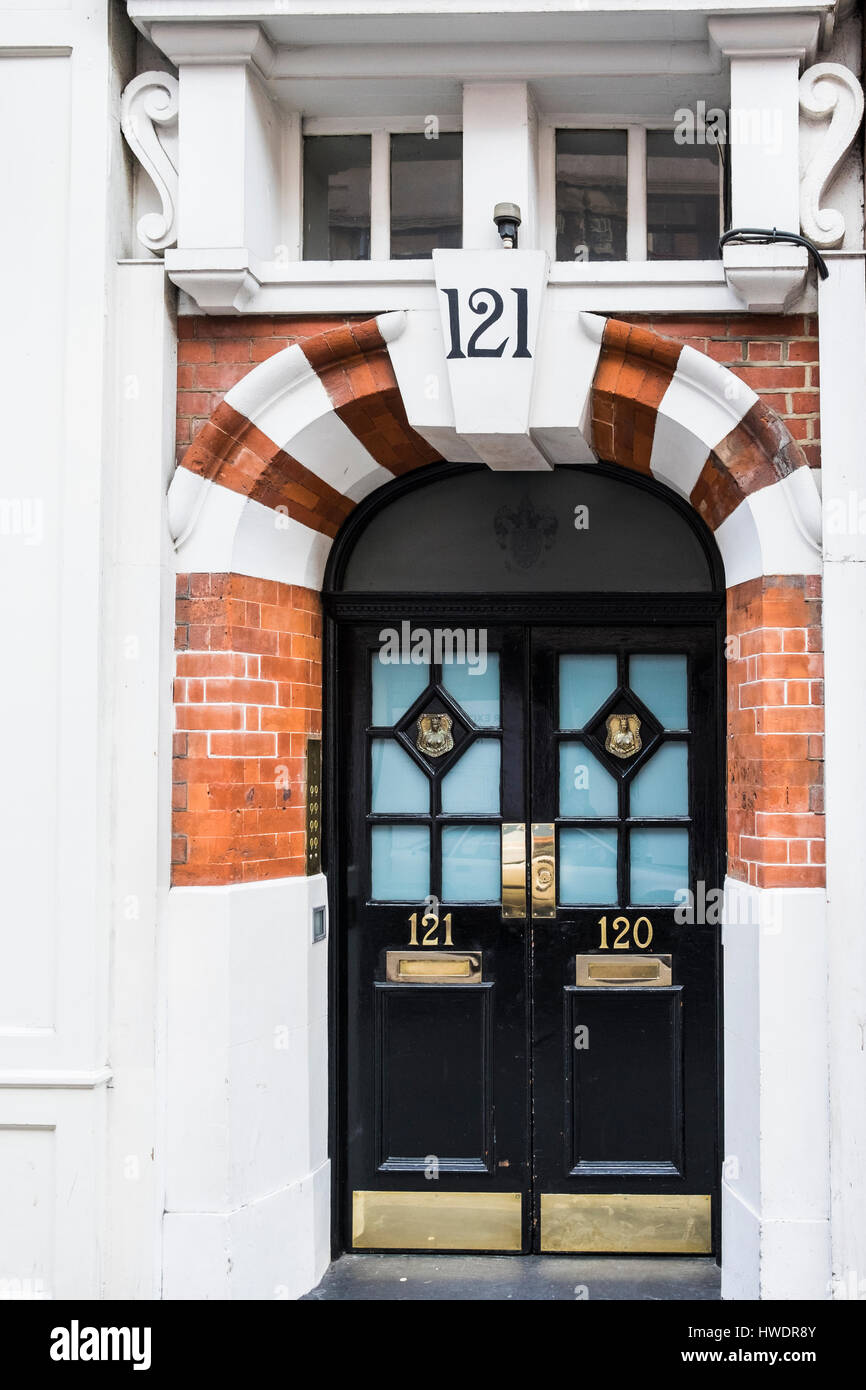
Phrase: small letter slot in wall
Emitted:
{"points": [[314, 806]]}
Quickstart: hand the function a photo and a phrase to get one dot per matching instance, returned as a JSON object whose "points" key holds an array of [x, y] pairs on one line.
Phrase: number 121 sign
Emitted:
{"points": [[490, 307]]}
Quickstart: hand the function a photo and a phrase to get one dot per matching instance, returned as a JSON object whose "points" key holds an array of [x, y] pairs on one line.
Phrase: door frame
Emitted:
{"points": [[543, 609]]}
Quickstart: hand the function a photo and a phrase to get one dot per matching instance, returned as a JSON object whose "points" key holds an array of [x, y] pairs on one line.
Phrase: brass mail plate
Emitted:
{"points": [[594, 970], [626, 1223], [436, 1221], [434, 967]]}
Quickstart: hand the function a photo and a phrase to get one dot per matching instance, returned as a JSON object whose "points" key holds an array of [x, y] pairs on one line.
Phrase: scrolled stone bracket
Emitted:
{"points": [[827, 89], [148, 102]]}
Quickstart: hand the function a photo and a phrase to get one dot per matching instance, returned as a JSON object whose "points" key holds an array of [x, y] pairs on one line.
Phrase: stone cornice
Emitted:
{"points": [[208, 44]]}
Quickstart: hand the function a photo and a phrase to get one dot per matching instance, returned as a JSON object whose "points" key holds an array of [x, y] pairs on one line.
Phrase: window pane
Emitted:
{"points": [[399, 784], [585, 787], [426, 194], [661, 788], [660, 681], [584, 684], [395, 688], [659, 865], [683, 199], [587, 866], [401, 863], [476, 690], [337, 198], [472, 785], [591, 175], [470, 864]]}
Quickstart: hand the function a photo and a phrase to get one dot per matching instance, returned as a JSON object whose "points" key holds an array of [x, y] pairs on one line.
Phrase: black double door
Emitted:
{"points": [[529, 1038]]}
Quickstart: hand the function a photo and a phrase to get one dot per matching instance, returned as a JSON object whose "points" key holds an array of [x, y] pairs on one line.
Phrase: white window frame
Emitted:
{"points": [[380, 129], [636, 181]]}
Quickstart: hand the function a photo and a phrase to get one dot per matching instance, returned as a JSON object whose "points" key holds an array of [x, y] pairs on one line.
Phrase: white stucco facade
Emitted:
{"points": [[163, 1051]]}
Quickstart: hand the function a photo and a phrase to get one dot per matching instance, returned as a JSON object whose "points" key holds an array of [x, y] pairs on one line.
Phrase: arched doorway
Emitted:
{"points": [[525, 757], [292, 452]]}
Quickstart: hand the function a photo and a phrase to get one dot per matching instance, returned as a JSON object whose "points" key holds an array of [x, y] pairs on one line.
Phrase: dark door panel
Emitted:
{"points": [[624, 766], [437, 1015]]}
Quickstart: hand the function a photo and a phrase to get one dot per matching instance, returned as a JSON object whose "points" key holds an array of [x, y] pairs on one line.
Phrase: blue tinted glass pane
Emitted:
{"points": [[395, 688], [470, 864], [401, 863], [584, 683], [660, 681], [472, 785], [398, 782], [659, 865], [585, 787], [587, 866], [661, 788], [475, 687]]}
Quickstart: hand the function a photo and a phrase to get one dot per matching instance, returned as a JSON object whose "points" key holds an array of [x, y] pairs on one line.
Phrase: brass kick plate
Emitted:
{"points": [[626, 1223], [594, 970], [436, 1221], [433, 967]]}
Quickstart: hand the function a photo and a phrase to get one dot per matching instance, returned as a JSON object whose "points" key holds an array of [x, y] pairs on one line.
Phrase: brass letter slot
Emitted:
{"points": [[634, 970], [543, 870], [433, 967], [513, 869]]}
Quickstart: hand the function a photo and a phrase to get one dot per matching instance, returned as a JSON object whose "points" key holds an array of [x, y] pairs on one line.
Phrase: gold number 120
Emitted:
{"points": [[643, 927]]}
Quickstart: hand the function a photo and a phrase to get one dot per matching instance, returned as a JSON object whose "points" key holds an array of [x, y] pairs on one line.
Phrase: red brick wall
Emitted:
{"points": [[775, 354], [249, 652], [248, 693], [775, 733], [214, 353]]}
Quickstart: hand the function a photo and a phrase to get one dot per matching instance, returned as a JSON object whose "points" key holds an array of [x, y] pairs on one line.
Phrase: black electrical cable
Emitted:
{"points": [[761, 236]]}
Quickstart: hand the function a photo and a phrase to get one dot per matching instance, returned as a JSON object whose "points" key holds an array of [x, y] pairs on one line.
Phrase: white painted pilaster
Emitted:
{"points": [[499, 161], [766, 54], [843, 425], [775, 1158], [247, 1168], [230, 152], [139, 662]]}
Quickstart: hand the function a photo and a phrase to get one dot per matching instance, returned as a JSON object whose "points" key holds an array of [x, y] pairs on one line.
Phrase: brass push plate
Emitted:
{"points": [[437, 1221], [543, 870], [433, 967], [603, 969], [513, 869], [626, 1223]]}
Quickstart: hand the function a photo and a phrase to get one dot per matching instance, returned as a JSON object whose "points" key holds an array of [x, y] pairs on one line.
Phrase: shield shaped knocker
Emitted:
{"points": [[623, 735], [434, 735]]}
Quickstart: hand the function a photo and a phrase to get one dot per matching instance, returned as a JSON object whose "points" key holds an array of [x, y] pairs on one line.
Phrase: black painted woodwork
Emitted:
{"points": [[486, 1076]]}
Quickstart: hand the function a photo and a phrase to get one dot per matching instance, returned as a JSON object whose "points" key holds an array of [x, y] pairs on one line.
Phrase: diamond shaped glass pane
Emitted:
{"points": [[585, 787], [395, 688], [659, 865], [661, 788], [476, 689], [587, 866], [401, 863], [398, 783], [661, 682], [472, 785], [584, 682], [470, 864]]}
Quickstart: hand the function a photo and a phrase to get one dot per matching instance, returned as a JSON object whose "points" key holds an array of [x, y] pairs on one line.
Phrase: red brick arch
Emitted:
{"points": [[249, 658]]}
